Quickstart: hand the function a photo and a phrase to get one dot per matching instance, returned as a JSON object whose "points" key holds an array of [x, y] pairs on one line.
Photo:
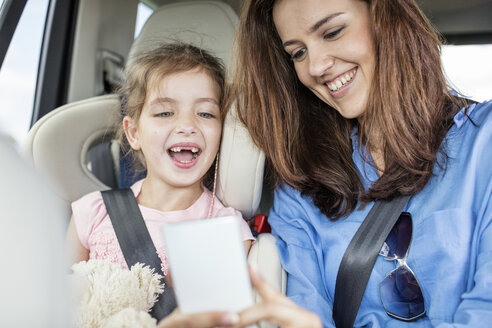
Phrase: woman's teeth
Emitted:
{"points": [[341, 81]]}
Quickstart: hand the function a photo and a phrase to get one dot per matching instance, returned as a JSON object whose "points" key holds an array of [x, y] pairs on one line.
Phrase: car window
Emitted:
{"points": [[19, 71], [468, 69], [143, 13], [20, 67]]}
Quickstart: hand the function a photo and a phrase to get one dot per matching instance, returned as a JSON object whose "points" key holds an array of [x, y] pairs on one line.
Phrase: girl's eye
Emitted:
{"points": [[206, 115], [331, 35], [298, 55], [165, 114]]}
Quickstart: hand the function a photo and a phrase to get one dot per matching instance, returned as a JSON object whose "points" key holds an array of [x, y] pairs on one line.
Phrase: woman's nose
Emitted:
{"points": [[320, 62]]}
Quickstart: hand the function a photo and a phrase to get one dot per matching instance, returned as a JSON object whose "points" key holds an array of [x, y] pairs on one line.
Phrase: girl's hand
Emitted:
{"points": [[199, 320], [276, 308]]}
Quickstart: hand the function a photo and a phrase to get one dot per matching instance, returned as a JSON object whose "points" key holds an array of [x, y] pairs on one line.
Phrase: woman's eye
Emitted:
{"points": [[206, 115], [331, 35], [298, 55], [165, 114]]}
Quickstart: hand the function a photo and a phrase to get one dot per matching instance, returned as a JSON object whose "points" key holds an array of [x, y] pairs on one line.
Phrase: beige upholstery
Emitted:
{"points": [[207, 24], [59, 142], [265, 257]]}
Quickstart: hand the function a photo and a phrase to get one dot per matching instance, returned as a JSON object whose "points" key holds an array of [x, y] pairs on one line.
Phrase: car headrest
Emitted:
{"points": [[210, 25], [58, 143]]}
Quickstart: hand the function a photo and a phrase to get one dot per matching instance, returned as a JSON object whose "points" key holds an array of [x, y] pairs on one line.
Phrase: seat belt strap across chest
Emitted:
{"points": [[135, 241], [359, 259]]}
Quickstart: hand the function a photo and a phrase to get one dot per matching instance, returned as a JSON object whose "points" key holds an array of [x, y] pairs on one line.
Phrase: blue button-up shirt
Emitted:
{"points": [[451, 247]]}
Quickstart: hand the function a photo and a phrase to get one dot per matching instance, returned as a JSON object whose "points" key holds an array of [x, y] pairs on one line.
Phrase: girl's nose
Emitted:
{"points": [[320, 62], [186, 125]]}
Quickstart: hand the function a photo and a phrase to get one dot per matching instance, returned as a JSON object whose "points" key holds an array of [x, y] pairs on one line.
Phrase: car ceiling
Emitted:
{"points": [[451, 17]]}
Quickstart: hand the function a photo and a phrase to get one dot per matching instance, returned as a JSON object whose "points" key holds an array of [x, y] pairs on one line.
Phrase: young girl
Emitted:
{"points": [[173, 111]]}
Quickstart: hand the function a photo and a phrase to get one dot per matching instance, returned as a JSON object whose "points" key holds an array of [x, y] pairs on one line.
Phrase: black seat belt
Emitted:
{"points": [[135, 241], [359, 259], [102, 164]]}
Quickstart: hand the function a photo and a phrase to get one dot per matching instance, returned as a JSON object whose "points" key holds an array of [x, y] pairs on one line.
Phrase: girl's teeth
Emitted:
{"points": [[178, 149]]}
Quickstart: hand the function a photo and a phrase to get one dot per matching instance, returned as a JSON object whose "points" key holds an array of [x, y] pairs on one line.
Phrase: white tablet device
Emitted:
{"points": [[208, 265]]}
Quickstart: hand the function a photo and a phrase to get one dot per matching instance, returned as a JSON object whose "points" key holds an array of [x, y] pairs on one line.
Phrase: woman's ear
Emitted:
{"points": [[131, 132]]}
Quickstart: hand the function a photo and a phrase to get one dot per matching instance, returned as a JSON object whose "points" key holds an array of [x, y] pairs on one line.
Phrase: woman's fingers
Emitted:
{"points": [[275, 308], [261, 312], [279, 314], [199, 320], [265, 290]]}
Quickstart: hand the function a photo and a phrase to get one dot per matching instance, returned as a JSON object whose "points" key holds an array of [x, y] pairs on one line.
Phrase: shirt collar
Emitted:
{"points": [[362, 158], [460, 117]]}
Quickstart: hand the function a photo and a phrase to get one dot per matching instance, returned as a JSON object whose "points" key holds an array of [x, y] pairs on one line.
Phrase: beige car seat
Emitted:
{"points": [[58, 144]]}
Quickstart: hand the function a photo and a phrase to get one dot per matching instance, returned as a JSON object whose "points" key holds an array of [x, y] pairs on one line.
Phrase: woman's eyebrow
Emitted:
{"points": [[323, 21], [315, 27]]}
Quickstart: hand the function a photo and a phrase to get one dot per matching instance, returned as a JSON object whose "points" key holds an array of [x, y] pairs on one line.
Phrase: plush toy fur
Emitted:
{"points": [[106, 295]]}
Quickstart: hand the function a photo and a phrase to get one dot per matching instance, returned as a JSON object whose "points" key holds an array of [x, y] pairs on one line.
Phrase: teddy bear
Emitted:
{"points": [[106, 295]]}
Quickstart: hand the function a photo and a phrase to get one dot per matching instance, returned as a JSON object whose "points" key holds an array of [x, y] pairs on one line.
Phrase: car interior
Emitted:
{"points": [[86, 46], [89, 123]]}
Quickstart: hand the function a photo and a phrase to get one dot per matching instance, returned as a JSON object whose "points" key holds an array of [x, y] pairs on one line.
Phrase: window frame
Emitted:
{"points": [[56, 57], [10, 14]]}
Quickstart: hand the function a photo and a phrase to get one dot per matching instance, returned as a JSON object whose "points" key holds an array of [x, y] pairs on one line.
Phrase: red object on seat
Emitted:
{"points": [[260, 224]]}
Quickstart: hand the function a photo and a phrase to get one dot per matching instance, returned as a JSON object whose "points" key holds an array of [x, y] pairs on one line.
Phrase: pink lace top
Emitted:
{"points": [[96, 232]]}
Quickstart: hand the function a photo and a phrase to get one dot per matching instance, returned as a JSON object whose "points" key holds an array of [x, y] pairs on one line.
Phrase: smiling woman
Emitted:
{"points": [[363, 113], [344, 35]]}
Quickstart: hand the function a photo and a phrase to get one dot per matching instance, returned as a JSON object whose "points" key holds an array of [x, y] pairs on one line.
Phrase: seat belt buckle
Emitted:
{"points": [[260, 225]]}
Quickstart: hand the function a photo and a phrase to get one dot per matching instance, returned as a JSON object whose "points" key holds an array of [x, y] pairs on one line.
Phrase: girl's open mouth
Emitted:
{"points": [[184, 155]]}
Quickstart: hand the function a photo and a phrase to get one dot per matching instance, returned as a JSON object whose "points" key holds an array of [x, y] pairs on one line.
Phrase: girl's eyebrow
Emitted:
{"points": [[162, 100], [315, 27], [172, 101], [212, 100]]}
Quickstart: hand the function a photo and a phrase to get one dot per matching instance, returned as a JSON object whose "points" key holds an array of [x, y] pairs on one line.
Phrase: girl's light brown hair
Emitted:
{"points": [[308, 143], [148, 70]]}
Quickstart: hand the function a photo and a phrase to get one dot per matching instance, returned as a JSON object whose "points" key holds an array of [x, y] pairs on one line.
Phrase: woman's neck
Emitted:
{"points": [[374, 145], [165, 198]]}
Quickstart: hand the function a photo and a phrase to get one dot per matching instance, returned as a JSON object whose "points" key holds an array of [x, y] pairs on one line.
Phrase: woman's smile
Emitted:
{"points": [[340, 85], [331, 45]]}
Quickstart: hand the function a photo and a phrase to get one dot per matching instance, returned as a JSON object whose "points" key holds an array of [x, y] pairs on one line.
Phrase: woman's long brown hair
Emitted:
{"points": [[308, 143]]}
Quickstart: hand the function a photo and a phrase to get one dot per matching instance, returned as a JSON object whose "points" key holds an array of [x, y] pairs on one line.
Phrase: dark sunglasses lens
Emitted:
{"points": [[401, 294], [400, 236]]}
